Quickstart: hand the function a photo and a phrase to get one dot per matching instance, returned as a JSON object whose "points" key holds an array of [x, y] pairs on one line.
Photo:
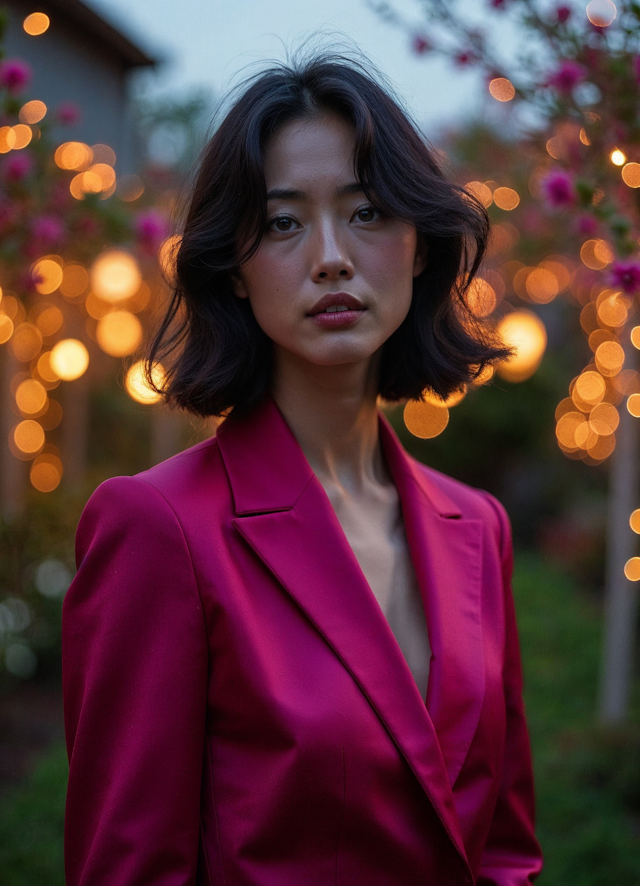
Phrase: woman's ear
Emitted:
{"points": [[237, 284], [420, 261]]}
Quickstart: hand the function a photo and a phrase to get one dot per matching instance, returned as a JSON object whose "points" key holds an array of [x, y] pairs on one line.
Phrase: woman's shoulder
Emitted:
{"points": [[471, 502], [175, 486]]}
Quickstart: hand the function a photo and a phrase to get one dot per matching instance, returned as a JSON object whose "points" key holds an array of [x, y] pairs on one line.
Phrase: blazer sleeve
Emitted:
{"points": [[512, 855], [135, 665]]}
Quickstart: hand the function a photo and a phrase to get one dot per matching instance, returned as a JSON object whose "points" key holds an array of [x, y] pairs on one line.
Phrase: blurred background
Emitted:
{"points": [[534, 107]]}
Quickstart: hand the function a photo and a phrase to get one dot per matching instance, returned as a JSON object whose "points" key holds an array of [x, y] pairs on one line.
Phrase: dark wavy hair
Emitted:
{"points": [[219, 358]]}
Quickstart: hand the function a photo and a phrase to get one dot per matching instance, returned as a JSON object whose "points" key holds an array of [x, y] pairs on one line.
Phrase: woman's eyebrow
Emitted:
{"points": [[293, 194]]}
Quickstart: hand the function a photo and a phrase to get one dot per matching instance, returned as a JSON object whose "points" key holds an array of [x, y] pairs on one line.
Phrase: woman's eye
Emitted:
{"points": [[282, 223], [367, 214]]}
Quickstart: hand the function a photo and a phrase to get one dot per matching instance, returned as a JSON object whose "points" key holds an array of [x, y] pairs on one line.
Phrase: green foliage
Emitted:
{"points": [[588, 780], [44, 533], [31, 826]]}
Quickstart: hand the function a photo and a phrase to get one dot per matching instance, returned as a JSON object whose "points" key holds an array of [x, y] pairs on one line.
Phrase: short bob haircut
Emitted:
{"points": [[219, 358]]}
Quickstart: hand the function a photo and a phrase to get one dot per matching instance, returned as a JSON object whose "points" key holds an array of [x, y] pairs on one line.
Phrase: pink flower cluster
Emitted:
{"points": [[421, 44], [567, 76], [626, 276], [68, 113], [17, 167], [151, 229], [14, 74], [558, 188]]}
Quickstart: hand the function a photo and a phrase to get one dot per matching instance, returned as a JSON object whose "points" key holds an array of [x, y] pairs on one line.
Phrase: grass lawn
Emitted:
{"points": [[588, 781]]}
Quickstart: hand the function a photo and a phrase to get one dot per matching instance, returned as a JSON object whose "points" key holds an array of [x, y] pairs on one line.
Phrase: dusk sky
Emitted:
{"points": [[206, 43]]}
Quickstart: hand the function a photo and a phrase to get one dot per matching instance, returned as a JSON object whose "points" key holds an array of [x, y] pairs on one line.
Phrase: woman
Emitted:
{"points": [[290, 655]]}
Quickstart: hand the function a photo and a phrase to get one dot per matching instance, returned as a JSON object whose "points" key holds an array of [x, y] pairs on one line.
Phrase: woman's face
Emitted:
{"points": [[326, 247]]}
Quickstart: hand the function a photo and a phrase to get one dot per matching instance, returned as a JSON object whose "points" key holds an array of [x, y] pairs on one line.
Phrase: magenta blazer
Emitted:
{"points": [[238, 711]]}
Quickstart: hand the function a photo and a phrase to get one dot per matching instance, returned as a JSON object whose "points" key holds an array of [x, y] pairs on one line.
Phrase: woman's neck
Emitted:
{"points": [[333, 415]]}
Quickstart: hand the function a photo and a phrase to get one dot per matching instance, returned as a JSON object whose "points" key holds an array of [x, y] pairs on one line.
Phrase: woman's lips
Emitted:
{"points": [[337, 319], [337, 309]]}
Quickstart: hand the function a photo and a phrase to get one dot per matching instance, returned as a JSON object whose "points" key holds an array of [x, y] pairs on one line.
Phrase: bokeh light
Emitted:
{"points": [[542, 285], [6, 328], [7, 139], [75, 280], [612, 309], [48, 319], [567, 428], [32, 112], [119, 333], [136, 383], [452, 400], [590, 387], [631, 175], [46, 473], [26, 342], [115, 275], [28, 436], [44, 368], [506, 198], [47, 275], [632, 569], [130, 188], [36, 24], [425, 419], [596, 254], [22, 136], [609, 357], [502, 89], [31, 396], [617, 157], [69, 359], [167, 255], [601, 13], [633, 405], [73, 155], [481, 192], [604, 419], [634, 521], [481, 297], [104, 154], [525, 332]]}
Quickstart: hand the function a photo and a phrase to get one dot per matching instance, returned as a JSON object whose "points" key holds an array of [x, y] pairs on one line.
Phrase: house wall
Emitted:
{"points": [[69, 66]]}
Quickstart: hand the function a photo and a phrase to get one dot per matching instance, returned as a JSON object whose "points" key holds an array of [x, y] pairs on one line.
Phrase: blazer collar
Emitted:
{"points": [[248, 443], [287, 519]]}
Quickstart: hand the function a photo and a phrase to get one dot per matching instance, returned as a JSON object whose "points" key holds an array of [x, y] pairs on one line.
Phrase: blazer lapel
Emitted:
{"points": [[446, 551], [287, 519]]}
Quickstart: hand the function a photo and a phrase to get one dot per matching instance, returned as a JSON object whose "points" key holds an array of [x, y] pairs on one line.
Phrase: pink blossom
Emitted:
{"points": [[17, 167], [47, 230], [420, 44], [68, 113], [626, 275], [586, 225], [558, 188], [14, 74], [151, 229], [563, 14], [568, 75], [498, 4], [464, 58]]}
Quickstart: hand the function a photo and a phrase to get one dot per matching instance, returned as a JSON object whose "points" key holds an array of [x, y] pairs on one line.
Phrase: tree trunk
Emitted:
{"points": [[13, 471], [74, 432], [621, 596]]}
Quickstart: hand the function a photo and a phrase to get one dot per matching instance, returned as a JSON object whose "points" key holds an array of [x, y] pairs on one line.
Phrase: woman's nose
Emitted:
{"points": [[331, 260]]}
